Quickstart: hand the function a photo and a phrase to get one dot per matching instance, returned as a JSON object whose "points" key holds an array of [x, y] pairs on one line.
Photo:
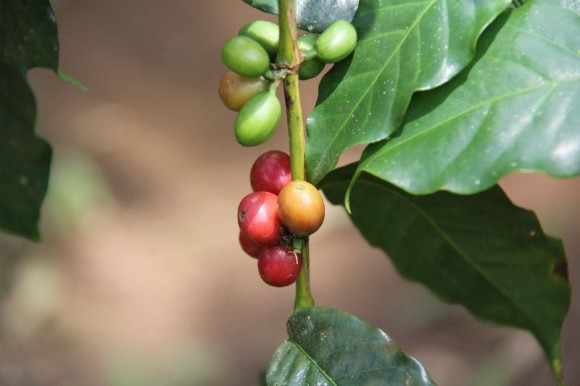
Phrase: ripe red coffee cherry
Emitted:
{"points": [[279, 266], [270, 172], [249, 246], [301, 208], [258, 218]]}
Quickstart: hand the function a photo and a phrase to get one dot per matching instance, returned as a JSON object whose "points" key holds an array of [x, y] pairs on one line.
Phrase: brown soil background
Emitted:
{"points": [[139, 279]]}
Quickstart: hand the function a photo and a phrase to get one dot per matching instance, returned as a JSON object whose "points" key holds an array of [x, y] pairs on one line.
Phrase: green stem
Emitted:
{"points": [[296, 133], [304, 297], [288, 55], [289, 58]]}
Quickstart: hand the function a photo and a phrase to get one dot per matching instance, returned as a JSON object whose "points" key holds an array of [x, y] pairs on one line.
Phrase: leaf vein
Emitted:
{"points": [[314, 363], [451, 118], [459, 250], [379, 73]]}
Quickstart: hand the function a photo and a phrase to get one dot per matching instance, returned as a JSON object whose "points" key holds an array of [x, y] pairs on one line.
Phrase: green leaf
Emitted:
{"points": [[28, 38], [262, 378], [480, 251], [330, 347], [28, 34], [24, 158], [402, 47], [514, 110], [313, 15]]}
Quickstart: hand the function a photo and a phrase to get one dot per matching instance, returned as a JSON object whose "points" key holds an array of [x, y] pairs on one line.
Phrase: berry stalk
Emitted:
{"points": [[303, 298], [289, 57]]}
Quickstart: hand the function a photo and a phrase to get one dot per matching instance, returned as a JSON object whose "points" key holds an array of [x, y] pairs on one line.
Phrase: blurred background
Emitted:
{"points": [[139, 279]]}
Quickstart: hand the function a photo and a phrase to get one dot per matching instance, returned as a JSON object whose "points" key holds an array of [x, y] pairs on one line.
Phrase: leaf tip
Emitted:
{"points": [[72, 81], [557, 369], [348, 191]]}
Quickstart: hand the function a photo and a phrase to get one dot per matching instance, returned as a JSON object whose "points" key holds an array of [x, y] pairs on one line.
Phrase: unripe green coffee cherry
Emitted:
{"points": [[310, 68], [307, 45], [245, 56], [258, 119], [264, 32], [336, 42]]}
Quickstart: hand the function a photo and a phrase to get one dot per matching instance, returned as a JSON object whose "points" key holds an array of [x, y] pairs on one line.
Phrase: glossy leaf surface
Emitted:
{"points": [[28, 34], [24, 158], [480, 251], [313, 15], [330, 347], [402, 47], [515, 109]]}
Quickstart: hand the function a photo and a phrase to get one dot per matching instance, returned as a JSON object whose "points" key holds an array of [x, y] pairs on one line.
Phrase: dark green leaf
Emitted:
{"points": [[330, 347], [28, 38], [28, 35], [24, 158], [313, 15], [480, 251], [516, 109], [262, 378], [403, 47]]}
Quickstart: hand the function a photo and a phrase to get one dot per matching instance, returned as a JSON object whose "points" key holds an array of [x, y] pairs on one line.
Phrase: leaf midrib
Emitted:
{"points": [[459, 250], [429, 130], [314, 363], [365, 93], [426, 131]]}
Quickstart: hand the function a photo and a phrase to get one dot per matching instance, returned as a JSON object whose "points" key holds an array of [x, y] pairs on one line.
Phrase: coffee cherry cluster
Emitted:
{"points": [[249, 86], [277, 212]]}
